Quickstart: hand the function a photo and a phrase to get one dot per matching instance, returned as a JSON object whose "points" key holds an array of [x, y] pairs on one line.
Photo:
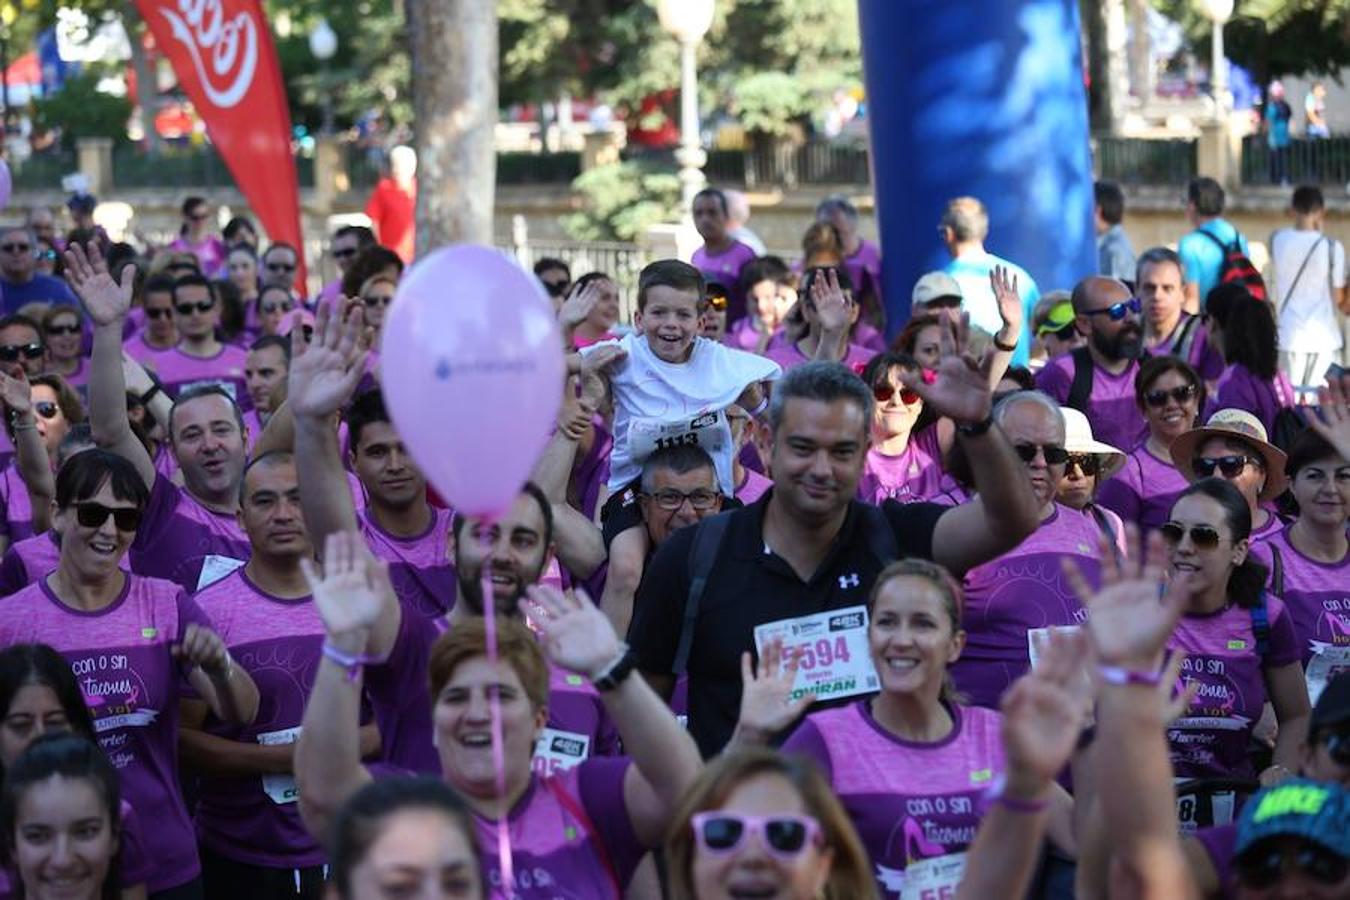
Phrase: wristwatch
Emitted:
{"points": [[975, 429], [617, 671]]}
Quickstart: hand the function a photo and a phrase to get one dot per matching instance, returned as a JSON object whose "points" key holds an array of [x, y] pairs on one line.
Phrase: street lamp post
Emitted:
{"points": [[323, 44], [688, 21], [1218, 12]]}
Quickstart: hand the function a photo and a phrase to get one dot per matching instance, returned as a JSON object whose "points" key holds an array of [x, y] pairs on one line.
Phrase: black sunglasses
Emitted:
{"points": [[1117, 311], [93, 515], [373, 300], [1054, 456], [187, 309], [1158, 399], [158, 313], [62, 329], [12, 352], [279, 267], [1266, 869], [16, 248], [1228, 466], [344, 253], [556, 288], [269, 308], [1204, 537], [46, 408], [1338, 747], [1086, 463]]}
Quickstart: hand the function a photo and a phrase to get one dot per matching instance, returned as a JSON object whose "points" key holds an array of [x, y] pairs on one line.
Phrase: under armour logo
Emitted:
{"points": [[849, 581]]}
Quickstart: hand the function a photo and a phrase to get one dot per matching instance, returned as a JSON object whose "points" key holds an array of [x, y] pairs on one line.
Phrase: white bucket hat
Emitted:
{"points": [[1078, 439]]}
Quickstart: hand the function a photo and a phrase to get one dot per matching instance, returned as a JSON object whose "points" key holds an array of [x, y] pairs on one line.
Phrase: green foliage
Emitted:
{"points": [[81, 110], [768, 102], [620, 200], [1272, 38]]}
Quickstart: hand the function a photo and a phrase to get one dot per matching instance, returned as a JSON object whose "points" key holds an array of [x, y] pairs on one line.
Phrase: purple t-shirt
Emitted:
{"points": [[788, 356], [122, 658], [578, 726], [1240, 388], [743, 335], [916, 474], [1022, 590], [592, 471], [210, 252], [143, 353], [753, 487], [1203, 358], [909, 801], [18, 508], [183, 541], [864, 268], [278, 642], [419, 566], [1220, 843], [32, 558], [1143, 491], [1210, 739], [1111, 409], [179, 371], [570, 837], [725, 268]]}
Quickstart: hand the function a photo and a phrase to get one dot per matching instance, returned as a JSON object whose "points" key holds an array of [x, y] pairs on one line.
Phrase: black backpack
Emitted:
{"points": [[1080, 390], [1237, 268]]}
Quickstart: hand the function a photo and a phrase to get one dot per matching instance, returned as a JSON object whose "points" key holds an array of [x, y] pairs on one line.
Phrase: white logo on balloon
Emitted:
{"points": [[233, 48]]}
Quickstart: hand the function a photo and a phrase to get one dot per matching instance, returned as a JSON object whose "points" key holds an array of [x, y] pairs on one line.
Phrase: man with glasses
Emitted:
{"points": [[1098, 379], [20, 281], [348, 242], [159, 334], [279, 265], [199, 357]]}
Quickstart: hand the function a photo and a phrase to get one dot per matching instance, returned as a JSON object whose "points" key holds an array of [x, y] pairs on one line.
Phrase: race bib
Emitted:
{"points": [[215, 568], [831, 650], [557, 751], [934, 879], [708, 430], [1327, 662], [1196, 811], [280, 788]]}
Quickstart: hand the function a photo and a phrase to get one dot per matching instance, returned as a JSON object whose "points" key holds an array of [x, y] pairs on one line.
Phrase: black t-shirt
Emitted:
{"points": [[749, 586]]}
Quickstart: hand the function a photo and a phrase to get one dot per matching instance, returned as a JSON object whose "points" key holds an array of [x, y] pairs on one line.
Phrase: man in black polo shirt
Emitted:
{"points": [[808, 547]]}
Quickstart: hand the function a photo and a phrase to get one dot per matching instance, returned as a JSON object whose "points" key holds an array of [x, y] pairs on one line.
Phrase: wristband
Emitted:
{"points": [[153, 390], [1006, 348], [1118, 676], [974, 429], [612, 675], [352, 663], [760, 408], [997, 793]]}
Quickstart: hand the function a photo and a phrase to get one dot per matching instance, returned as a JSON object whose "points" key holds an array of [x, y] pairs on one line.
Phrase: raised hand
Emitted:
{"points": [[1044, 711], [579, 304], [1131, 617], [575, 633], [1334, 422], [575, 415], [601, 359], [105, 300], [834, 310], [350, 587], [326, 370], [1009, 300], [960, 390], [203, 648], [767, 706], [15, 392]]}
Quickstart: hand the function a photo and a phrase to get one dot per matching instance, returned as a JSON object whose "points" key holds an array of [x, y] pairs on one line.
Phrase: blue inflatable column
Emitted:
{"points": [[982, 98]]}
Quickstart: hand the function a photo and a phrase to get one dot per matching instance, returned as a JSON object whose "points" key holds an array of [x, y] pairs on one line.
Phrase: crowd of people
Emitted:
{"points": [[1044, 597]]}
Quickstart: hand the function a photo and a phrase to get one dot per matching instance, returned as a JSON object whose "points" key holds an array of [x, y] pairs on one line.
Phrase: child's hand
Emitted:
{"points": [[602, 359]]}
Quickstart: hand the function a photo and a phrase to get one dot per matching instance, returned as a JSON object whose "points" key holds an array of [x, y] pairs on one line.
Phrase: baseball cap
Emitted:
{"points": [[1333, 705], [934, 286], [1060, 314], [1316, 811]]}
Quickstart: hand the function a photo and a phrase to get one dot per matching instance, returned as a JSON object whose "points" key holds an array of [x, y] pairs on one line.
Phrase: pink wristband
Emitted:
{"points": [[352, 663], [1118, 676], [996, 793]]}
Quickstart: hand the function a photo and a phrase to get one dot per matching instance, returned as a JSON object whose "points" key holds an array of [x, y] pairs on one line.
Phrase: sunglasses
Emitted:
{"points": [[1158, 399], [269, 308], [162, 312], [1086, 463], [62, 329], [1228, 466], [1266, 869], [200, 217], [93, 515], [373, 300], [671, 499], [12, 352], [280, 267], [1338, 748], [17, 248], [884, 392], [1117, 311], [556, 288], [1054, 456], [187, 309], [718, 302], [46, 408], [344, 253], [1204, 537], [784, 836]]}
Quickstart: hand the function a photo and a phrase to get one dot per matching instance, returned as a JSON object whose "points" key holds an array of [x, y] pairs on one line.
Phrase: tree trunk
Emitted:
{"points": [[1141, 66], [454, 82], [147, 82]]}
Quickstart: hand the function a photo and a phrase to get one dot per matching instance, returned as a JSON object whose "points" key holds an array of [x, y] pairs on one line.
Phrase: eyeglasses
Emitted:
{"points": [[280, 267], [158, 313], [1087, 463], [46, 408], [12, 352], [1117, 311], [199, 216], [718, 302], [187, 309], [1263, 870], [1204, 537], [62, 329], [784, 836], [344, 252], [1229, 466], [556, 288], [17, 248], [671, 499], [1158, 399], [269, 308], [1054, 456], [373, 300], [884, 392], [93, 515]]}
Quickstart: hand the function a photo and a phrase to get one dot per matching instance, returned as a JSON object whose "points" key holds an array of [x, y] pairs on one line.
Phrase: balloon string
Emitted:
{"points": [[495, 706]]}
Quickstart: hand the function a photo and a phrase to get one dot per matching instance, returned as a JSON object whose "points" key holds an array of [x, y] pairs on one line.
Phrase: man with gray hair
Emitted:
{"points": [[805, 555], [738, 222], [862, 258], [963, 229], [20, 281]]}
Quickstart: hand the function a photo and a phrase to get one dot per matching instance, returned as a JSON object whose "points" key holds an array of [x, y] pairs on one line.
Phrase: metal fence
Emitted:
{"points": [[622, 262], [1144, 160], [1306, 161], [787, 165]]}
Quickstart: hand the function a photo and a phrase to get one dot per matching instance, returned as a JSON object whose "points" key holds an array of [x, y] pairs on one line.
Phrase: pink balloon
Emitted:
{"points": [[6, 184], [472, 370]]}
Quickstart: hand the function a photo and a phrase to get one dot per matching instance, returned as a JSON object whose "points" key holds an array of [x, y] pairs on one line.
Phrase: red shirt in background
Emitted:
{"points": [[391, 210]]}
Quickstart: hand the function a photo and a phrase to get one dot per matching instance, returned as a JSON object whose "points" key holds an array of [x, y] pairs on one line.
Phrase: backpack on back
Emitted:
{"points": [[1237, 268]]}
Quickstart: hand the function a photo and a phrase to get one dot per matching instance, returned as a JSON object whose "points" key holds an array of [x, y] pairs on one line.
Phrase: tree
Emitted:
{"points": [[1273, 38]]}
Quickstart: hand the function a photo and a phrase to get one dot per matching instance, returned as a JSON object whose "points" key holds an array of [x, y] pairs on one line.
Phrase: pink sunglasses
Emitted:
{"points": [[784, 835]]}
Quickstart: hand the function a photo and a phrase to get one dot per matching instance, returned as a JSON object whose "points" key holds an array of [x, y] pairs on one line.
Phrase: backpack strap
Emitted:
{"points": [[1105, 525], [1081, 388], [1299, 274], [707, 540], [1261, 627], [1182, 348], [1276, 571], [574, 808], [1226, 248]]}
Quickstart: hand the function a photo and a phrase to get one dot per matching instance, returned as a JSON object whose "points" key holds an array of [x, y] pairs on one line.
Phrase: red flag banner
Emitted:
{"points": [[223, 55]]}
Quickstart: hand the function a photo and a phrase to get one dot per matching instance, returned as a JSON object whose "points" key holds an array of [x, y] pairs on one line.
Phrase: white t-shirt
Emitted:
{"points": [[657, 403], [1308, 315]]}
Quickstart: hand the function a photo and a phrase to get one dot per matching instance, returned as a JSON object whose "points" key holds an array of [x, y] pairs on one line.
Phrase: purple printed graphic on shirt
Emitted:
{"points": [[1143, 491], [122, 658], [178, 372], [725, 268], [753, 487], [1210, 739], [419, 567], [556, 853], [1111, 409], [1021, 590], [18, 508], [1317, 594], [33, 558], [178, 536], [278, 642], [916, 474], [909, 801], [789, 356]]}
